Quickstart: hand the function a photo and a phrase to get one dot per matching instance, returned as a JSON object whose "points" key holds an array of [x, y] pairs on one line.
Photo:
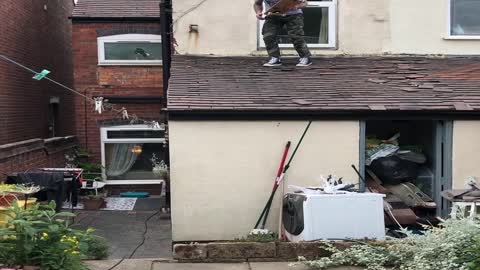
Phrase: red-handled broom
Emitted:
{"points": [[275, 183], [279, 179]]}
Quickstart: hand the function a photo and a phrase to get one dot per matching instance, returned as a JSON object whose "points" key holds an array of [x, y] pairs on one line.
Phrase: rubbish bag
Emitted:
{"points": [[383, 150], [412, 156], [393, 170]]}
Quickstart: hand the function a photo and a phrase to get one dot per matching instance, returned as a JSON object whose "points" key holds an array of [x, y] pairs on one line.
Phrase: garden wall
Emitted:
{"points": [[251, 251], [35, 153]]}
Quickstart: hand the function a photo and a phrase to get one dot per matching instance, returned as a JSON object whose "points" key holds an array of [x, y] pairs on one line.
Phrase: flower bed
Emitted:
{"points": [[40, 237], [455, 245]]}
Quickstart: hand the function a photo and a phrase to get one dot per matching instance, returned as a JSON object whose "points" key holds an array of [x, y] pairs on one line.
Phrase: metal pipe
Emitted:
{"points": [[166, 32]]}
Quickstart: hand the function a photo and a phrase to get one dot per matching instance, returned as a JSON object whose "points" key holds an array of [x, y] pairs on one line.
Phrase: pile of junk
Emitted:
{"points": [[399, 172]]}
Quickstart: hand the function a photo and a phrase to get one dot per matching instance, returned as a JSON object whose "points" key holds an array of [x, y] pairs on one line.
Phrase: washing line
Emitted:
{"points": [[98, 102]]}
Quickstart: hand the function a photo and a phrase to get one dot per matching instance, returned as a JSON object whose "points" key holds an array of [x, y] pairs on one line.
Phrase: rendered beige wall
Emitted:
{"points": [[225, 27], [364, 27], [466, 152], [222, 172], [230, 28], [419, 27]]}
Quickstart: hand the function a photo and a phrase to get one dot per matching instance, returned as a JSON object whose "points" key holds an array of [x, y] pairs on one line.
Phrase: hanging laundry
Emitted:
{"points": [[124, 113], [99, 104], [155, 125], [134, 119], [42, 74]]}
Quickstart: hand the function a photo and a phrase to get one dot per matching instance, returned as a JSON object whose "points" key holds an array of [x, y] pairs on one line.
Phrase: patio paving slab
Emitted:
{"points": [[200, 266], [124, 230], [137, 264], [151, 264], [286, 266]]}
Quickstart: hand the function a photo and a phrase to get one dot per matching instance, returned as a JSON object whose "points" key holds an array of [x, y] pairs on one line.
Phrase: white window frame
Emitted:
{"points": [[449, 26], [332, 26], [105, 139], [126, 38]]}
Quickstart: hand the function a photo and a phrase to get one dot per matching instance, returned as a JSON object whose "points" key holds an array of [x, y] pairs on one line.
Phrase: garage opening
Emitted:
{"points": [[410, 161]]}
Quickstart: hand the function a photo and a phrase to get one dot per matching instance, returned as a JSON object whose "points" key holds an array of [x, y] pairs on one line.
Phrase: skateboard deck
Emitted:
{"points": [[282, 7]]}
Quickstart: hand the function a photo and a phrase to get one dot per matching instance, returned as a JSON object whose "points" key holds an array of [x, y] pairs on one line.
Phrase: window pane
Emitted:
{"points": [[133, 51], [132, 161], [136, 134], [316, 26], [465, 17]]}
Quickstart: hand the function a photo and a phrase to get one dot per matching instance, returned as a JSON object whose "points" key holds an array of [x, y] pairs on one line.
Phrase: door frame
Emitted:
{"points": [[443, 139], [443, 171]]}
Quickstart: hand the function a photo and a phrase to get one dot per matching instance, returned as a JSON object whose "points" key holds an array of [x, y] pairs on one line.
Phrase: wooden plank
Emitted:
{"points": [[282, 7]]}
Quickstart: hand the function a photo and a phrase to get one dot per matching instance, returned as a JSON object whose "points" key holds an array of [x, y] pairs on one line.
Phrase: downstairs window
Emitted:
{"points": [[128, 153]]}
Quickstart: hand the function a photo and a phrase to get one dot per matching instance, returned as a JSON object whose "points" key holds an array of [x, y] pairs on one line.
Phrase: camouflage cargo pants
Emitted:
{"points": [[294, 25]]}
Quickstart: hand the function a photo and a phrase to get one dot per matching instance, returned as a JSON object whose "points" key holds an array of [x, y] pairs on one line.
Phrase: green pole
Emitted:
{"points": [[267, 207]]}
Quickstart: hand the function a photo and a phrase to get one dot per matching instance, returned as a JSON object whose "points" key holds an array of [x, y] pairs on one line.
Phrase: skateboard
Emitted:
{"points": [[282, 7]]}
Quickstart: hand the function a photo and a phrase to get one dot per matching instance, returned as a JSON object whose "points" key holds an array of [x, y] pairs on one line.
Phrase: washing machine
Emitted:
{"points": [[308, 217]]}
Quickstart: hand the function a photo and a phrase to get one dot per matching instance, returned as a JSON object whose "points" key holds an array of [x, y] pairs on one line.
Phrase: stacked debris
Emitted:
{"points": [[471, 194], [329, 185], [394, 170]]}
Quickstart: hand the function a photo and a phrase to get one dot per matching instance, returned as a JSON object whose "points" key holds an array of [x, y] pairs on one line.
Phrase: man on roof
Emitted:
{"points": [[288, 14]]}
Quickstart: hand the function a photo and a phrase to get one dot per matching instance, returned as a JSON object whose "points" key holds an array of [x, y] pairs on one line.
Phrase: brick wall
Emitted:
{"points": [[38, 35], [35, 153], [94, 80]]}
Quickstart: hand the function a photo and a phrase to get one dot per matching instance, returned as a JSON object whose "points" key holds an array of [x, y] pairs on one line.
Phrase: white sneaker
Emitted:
{"points": [[273, 62], [304, 62]]}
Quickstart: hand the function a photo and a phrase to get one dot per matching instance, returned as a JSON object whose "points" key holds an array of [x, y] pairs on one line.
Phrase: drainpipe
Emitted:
{"points": [[166, 31], [166, 21]]}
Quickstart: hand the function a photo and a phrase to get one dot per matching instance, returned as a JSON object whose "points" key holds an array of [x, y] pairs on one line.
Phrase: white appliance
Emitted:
{"points": [[308, 217]]}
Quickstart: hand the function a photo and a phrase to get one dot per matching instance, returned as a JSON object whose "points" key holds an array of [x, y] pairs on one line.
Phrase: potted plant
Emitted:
{"points": [[11, 193], [92, 201], [159, 167], [82, 155], [6, 194], [91, 170]]}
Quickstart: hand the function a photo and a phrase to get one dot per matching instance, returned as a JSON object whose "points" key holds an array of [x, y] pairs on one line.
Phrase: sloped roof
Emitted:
{"points": [[338, 84], [116, 9]]}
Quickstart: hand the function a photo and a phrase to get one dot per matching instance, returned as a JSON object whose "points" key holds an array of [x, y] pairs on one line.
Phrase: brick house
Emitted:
{"points": [[380, 67], [37, 117], [117, 55]]}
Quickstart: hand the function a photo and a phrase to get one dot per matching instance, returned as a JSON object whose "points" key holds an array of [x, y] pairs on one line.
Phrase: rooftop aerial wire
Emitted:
{"points": [[100, 106]]}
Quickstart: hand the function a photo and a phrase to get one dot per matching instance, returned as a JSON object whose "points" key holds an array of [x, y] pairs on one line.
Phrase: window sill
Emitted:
{"points": [[134, 182], [129, 64], [310, 46], [462, 38]]}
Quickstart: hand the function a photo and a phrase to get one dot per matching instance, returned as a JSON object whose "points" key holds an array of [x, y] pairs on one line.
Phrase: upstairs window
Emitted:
{"points": [[464, 18], [320, 18], [130, 49]]}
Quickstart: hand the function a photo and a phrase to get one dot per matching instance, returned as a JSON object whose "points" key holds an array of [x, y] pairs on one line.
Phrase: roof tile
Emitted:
{"points": [[331, 84]]}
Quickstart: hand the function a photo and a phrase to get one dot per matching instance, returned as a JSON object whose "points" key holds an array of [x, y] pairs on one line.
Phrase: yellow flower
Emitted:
{"points": [[44, 236]]}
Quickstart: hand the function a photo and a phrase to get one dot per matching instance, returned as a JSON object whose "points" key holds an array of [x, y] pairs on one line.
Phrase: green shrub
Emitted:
{"points": [[39, 236], [453, 246], [97, 247], [472, 255], [261, 237]]}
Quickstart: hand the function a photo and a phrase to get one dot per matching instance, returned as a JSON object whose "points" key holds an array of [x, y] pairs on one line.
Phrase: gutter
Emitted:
{"points": [[253, 115]]}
